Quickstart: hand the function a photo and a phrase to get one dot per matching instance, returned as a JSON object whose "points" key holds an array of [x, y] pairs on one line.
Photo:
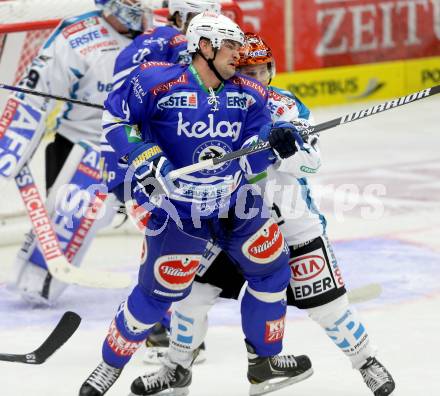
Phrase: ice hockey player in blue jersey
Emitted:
{"points": [[165, 117], [162, 43], [317, 288], [158, 44]]}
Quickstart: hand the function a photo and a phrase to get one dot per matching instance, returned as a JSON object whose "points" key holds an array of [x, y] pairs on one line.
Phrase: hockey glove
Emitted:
{"points": [[285, 138], [151, 173]]}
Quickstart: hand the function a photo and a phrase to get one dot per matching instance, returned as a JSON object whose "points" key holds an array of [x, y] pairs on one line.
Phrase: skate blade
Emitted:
{"points": [[155, 355], [170, 392], [267, 386]]}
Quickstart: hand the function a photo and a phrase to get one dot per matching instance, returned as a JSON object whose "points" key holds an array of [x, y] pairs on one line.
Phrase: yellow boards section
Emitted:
{"points": [[422, 73], [346, 84], [350, 84]]}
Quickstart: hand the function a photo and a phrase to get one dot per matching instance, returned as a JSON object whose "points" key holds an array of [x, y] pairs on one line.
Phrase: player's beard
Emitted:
{"points": [[226, 71]]}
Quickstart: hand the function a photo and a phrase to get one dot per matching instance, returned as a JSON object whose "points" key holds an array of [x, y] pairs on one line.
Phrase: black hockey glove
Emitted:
{"points": [[285, 139]]}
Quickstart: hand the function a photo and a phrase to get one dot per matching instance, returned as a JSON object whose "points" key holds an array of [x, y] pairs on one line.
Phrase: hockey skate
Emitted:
{"points": [[157, 345], [171, 380], [268, 374], [377, 377], [100, 381]]}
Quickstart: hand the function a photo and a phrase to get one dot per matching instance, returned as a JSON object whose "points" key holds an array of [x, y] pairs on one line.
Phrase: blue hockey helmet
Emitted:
{"points": [[129, 12]]}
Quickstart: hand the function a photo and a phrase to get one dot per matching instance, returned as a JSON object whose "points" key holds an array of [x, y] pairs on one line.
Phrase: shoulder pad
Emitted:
{"points": [[73, 25], [149, 65], [249, 84], [166, 34], [82, 22], [281, 97], [283, 92], [162, 76]]}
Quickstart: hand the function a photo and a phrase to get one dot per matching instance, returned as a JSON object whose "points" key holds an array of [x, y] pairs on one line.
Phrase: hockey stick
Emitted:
{"points": [[62, 332], [345, 119], [50, 96], [364, 293], [57, 264]]}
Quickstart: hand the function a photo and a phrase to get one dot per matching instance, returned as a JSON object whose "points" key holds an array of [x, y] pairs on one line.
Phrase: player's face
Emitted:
{"points": [[259, 72], [227, 57]]}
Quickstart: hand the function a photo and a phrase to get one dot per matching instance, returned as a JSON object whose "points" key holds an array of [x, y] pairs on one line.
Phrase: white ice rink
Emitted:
{"points": [[399, 247]]}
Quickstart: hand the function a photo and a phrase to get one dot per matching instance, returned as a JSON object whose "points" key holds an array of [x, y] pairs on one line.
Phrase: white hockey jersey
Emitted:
{"points": [[76, 61], [284, 185]]}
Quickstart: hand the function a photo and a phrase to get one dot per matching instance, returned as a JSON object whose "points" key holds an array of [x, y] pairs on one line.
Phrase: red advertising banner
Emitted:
{"points": [[266, 17], [347, 32]]}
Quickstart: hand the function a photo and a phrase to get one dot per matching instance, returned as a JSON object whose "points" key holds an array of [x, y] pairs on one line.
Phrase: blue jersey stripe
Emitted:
{"points": [[306, 194]]}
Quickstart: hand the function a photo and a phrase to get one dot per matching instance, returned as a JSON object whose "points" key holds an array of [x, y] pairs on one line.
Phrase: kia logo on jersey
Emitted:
{"points": [[265, 245], [307, 267], [177, 271]]}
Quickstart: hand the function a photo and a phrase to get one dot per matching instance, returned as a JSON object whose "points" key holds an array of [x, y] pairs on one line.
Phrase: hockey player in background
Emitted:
{"points": [[168, 116], [162, 43], [76, 61], [316, 283]]}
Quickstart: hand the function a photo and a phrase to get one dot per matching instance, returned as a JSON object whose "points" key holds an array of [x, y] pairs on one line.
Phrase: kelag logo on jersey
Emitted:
{"points": [[179, 100], [200, 129], [238, 100]]}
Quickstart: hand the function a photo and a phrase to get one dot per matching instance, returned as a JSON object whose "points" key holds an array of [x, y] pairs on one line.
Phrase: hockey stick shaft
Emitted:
{"points": [[57, 264], [50, 96], [62, 332], [364, 293], [345, 119]]}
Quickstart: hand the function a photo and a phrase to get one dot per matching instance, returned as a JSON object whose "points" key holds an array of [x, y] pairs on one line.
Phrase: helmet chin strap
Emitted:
{"points": [[211, 65]]}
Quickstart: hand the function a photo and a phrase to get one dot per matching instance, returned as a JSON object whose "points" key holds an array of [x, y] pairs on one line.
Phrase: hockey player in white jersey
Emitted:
{"points": [[76, 61], [316, 283]]}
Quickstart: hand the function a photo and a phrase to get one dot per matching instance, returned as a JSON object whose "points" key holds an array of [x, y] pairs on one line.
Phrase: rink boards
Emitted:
{"points": [[360, 83]]}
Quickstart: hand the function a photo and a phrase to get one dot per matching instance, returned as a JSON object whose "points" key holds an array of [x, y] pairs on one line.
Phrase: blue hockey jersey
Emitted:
{"points": [[164, 43], [169, 105]]}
